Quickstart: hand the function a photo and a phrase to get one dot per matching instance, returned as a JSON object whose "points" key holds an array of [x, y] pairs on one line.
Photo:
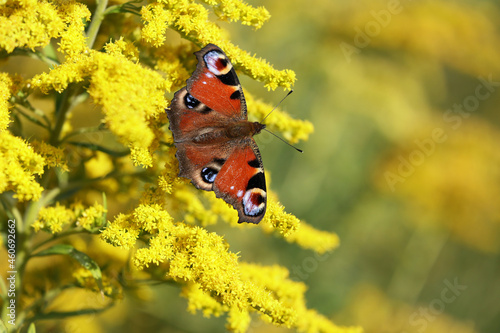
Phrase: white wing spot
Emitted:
{"points": [[249, 206], [240, 193]]}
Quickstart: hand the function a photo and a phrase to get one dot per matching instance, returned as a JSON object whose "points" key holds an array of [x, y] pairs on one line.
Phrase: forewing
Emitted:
{"points": [[216, 84]]}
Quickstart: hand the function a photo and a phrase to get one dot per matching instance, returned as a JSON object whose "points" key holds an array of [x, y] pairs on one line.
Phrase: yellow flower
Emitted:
{"points": [[127, 79], [92, 217], [277, 219], [53, 218], [199, 300], [122, 232], [73, 39], [29, 24], [99, 166], [53, 156], [293, 130], [308, 237], [191, 20], [114, 82], [18, 166], [235, 10], [157, 19], [5, 86]]}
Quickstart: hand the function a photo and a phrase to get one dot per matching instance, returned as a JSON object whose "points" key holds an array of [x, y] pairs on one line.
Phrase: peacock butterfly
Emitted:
{"points": [[215, 148]]}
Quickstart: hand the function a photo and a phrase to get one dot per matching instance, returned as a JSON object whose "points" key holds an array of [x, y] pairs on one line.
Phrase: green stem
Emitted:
{"points": [[96, 22], [56, 237], [31, 118], [84, 130], [61, 111]]}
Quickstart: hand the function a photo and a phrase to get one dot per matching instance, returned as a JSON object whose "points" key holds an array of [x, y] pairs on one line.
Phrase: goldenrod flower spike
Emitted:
{"points": [[293, 130], [234, 10], [191, 21]]}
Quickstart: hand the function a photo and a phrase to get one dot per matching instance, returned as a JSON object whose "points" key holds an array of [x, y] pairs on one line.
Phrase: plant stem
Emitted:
{"points": [[96, 22]]}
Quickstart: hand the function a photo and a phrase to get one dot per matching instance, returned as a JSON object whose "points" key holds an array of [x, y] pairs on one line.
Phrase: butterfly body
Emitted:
{"points": [[213, 136]]}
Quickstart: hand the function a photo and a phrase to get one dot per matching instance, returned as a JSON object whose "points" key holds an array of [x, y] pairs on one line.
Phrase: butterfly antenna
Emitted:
{"points": [[291, 91], [297, 149]]}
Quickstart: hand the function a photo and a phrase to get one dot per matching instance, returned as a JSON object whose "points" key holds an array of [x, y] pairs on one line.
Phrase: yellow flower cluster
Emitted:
{"points": [[191, 20], [53, 156], [18, 166], [113, 84], [29, 23], [216, 282], [5, 86], [54, 218], [239, 11], [19, 163], [293, 130], [92, 217], [307, 237]]}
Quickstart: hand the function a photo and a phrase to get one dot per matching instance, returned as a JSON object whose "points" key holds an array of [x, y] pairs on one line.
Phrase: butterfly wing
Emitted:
{"points": [[215, 83], [199, 116], [241, 182]]}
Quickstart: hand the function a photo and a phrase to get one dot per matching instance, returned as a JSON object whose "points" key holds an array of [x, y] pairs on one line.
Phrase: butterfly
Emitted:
{"points": [[214, 139]]}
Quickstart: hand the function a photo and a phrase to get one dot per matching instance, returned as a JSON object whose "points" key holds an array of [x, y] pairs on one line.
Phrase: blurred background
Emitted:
{"points": [[404, 166], [404, 163]]}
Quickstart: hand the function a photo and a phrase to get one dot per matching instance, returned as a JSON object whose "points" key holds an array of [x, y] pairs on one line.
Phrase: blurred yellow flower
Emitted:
{"points": [[377, 313], [459, 198]]}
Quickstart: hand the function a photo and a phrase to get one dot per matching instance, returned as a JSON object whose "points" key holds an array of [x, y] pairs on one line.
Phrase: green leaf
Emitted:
{"points": [[31, 328], [95, 147], [84, 260]]}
